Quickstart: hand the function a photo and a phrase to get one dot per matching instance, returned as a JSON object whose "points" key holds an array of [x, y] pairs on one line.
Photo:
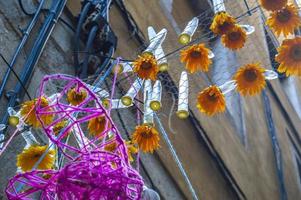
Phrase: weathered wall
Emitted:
{"points": [[57, 58], [252, 165]]}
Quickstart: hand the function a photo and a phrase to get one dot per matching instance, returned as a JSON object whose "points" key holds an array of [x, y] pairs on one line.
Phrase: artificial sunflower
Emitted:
{"points": [[250, 79], [146, 67], [97, 125], [222, 23], [147, 138], [75, 96], [59, 127], [211, 101], [235, 38], [131, 149], [196, 58], [285, 20], [289, 57], [29, 157], [28, 112], [272, 5], [111, 147]]}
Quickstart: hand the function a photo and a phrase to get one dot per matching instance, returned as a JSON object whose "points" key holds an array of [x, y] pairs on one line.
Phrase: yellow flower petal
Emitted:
{"points": [[250, 79], [211, 101], [29, 157], [147, 138], [196, 58], [146, 67]]}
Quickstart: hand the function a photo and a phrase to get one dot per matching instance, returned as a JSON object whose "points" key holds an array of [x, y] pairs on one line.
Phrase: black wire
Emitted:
{"points": [[82, 17], [8, 65], [67, 24], [89, 45], [103, 56], [32, 14], [24, 10]]}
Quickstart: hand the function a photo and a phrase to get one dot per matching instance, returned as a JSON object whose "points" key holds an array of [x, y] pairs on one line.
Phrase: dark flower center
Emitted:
{"points": [[212, 96], [79, 95], [195, 54], [284, 15], [146, 65], [146, 134], [36, 155], [250, 75], [225, 27], [43, 103], [296, 52], [234, 36]]}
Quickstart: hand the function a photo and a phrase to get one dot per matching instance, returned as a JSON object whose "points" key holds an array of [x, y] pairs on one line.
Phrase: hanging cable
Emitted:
{"points": [[16, 75], [33, 13], [84, 68], [82, 18]]}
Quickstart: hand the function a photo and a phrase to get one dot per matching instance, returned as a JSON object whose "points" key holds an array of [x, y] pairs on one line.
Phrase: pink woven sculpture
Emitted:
{"points": [[93, 171], [77, 117], [99, 175], [96, 175], [32, 185]]}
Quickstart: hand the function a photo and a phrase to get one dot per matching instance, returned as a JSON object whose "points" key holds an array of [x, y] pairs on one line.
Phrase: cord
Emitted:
{"points": [[16, 75]]}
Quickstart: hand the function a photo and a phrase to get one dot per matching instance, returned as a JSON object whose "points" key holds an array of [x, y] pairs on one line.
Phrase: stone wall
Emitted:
{"points": [[252, 165]]}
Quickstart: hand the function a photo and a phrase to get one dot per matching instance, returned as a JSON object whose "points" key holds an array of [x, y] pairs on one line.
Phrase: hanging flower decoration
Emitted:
{"points": [[289, 57], [59, 127], [131, 149], [28, 112], [222, 23], [285, 20], [97, 125], [250, 79], [196, 58], [147, 138], [211, 101], [29, 157], [146, 67], [76, 96], [235, 39], [272, 5]]}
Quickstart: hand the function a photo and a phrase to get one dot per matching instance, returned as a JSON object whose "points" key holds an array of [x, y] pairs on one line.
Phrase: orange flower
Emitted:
{"points": [[289, 57], [146, 67], [235, 38], [97, 125], [75, 96], [285, 20], [272, 5], [147, 138], [28, 109], [250, 79], [211, 101], [196, 58], [222, 23]]}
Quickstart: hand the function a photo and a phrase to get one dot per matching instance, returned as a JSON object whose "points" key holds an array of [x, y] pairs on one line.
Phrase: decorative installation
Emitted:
{"points": [[98, 166], [284, 21], [289, 57], [85, 157]]}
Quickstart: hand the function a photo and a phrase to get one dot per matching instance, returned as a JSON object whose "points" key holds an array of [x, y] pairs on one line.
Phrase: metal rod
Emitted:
{"points": [[47, 27], [20, 46], [175, 157], [275, 144]]}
